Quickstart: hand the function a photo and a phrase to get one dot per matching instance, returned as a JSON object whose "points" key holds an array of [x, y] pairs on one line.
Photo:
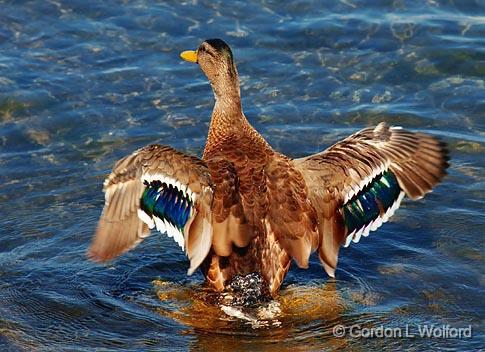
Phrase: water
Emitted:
{"points": [[82, 83]]}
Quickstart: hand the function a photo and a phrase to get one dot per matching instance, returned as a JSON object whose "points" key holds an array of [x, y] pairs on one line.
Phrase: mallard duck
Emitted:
{"points": [[245, 208]]}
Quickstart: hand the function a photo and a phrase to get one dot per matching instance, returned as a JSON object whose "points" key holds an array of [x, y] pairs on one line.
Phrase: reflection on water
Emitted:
{"points": [[83, 83], [200, 309], [221, 327]]}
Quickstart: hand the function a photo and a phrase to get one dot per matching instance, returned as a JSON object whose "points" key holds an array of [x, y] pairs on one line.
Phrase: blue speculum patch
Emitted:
{"points": [[371, 202], [166, 202]]}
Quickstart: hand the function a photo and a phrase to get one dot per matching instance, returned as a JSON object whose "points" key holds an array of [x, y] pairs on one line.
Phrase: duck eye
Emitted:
{"points": [[209, 52]]}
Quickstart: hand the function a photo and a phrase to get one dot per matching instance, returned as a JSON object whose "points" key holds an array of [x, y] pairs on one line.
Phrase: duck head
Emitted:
{"points": [[216, 61]]}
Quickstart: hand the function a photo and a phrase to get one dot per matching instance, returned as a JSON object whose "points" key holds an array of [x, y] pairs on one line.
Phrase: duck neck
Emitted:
{"points": [[227, 115]]}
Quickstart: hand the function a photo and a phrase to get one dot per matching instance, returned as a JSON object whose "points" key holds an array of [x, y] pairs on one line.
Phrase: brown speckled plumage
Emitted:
{"points": [[254, 209]]}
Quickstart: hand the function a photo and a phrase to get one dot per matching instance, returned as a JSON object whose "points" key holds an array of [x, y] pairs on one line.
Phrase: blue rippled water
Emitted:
{"points": [[82, 83]]}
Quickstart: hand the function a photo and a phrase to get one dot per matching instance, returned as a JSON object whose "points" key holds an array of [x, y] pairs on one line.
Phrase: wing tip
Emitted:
{"points": [[445, 154], [97, 256], [329, 270], [302, 264]]}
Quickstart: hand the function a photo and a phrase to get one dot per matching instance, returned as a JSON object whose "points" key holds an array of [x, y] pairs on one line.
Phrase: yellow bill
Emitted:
{"points": [[189, 55]]}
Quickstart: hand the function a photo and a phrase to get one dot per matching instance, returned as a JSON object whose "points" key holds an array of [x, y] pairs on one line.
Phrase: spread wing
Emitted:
{"points": [[358, 183], [156, 187]]}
